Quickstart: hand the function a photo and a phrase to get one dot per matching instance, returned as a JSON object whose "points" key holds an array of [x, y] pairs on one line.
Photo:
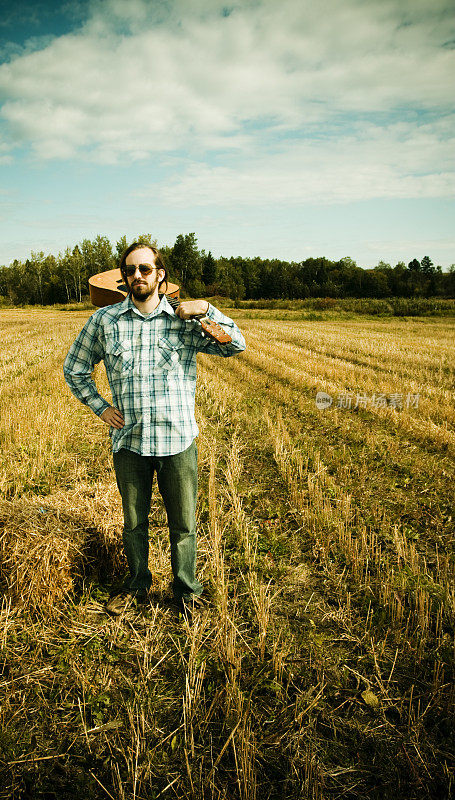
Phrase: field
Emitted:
{"points": [[325, 665]]}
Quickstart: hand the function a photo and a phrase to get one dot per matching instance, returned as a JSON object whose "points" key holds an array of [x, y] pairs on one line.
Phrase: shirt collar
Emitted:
{"points": [[127, 304]]}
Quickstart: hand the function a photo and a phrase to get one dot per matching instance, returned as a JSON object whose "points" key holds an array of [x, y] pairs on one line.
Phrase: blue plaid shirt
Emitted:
{"points": [[151, 368]]}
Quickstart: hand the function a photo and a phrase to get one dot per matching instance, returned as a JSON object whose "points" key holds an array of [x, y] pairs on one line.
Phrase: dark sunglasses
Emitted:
{"points": [[144, 269]]}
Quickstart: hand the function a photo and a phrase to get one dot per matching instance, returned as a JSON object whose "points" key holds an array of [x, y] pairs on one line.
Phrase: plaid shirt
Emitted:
{"points": [[151, 368]]}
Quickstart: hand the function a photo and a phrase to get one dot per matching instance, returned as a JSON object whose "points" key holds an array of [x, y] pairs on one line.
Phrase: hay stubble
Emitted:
{"points": [[324, 667]]}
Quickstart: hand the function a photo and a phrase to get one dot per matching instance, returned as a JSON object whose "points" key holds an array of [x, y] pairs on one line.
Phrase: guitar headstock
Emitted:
{"points": [[210, 328]]}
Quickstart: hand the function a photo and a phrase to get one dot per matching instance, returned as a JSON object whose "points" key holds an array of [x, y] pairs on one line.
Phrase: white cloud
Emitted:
{"points": [[143, 79], [396, 162]]}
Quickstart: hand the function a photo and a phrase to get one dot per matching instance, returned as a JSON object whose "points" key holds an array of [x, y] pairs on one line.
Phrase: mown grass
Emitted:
{"points": [[324, 667]]}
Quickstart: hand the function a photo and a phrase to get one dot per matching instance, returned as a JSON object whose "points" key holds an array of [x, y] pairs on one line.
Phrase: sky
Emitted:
{"points": [[274, 128]]}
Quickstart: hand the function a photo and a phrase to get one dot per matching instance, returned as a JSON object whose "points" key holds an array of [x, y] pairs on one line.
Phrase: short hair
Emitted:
{"points": [[158, 262]]}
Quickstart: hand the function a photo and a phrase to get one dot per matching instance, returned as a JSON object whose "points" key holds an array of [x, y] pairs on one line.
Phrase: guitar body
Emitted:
{"points": [[107, 288]]}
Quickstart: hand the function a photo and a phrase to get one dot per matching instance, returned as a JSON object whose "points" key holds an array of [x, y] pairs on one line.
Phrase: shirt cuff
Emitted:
{"points": [[218, 316], [98, 405]]}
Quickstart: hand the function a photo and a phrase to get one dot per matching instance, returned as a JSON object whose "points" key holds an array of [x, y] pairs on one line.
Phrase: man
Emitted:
{"points": [[149, 351]]}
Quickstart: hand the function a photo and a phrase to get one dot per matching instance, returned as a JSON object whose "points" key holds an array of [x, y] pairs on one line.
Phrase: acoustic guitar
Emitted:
{"points": [[107, 288]]}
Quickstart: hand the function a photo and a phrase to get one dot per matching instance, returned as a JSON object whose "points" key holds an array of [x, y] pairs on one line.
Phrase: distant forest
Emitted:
{"points": [[47, 279]]}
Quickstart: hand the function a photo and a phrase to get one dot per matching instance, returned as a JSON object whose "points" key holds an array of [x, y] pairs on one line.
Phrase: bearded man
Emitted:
{"points": [[149, 351]]}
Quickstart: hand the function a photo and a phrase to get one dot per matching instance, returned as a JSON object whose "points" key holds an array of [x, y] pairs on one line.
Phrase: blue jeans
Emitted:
{"points": [[177, 482]]}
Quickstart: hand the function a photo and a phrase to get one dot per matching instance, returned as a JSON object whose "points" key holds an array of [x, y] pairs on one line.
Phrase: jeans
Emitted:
{"points": [[177, 482]]}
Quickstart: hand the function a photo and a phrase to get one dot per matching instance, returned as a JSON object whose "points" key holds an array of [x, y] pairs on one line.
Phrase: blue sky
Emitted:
{"points": [[280, 129]]}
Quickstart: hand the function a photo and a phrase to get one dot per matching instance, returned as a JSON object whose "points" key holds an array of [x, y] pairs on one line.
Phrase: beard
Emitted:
{"points": [[143, 291]]}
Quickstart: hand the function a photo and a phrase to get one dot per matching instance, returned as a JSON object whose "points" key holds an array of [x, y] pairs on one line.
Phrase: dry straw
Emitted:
{"points": [[324, 664]]}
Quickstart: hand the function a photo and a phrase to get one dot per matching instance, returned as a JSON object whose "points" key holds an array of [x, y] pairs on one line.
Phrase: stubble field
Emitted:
{"points": [[324, 666]]}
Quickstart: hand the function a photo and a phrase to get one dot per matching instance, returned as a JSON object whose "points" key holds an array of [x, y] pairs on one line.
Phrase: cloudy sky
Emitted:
{"points": [[280, 128]]}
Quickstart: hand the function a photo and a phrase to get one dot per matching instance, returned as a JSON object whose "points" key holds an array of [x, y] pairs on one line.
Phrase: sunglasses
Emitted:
{"points": [[144, 269]]}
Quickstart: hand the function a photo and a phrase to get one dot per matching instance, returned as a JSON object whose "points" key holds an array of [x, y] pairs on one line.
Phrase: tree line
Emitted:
{"points": [[47, 279]]}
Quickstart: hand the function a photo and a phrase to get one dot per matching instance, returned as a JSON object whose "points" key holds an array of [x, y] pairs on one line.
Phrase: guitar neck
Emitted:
{"points": [[209, 327]]}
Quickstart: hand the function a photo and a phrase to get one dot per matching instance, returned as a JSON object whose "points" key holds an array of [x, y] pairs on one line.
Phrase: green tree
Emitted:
{"points": [[450, 282], [4, 281], [120, 247], [347, 262], [54, 290], [437, 281], [348, 277], [72, 269], [38, 270], [186, 263], [229, 279], [147, 239], [251, 270], [97, 255], [427, 265], [376, 283], [397, 280], [208, 269], [18, 289]]}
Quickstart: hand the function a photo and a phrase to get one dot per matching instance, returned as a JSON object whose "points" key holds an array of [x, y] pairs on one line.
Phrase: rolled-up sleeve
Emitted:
{"points": [[86, 351]]}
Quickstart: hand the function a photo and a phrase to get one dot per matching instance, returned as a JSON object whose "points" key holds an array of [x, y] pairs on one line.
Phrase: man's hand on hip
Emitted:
{"points": [[113, 417], [190, 308]]}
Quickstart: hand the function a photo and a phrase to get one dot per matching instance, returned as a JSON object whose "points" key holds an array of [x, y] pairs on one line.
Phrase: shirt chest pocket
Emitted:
{"points": [[120, 356], [169, 353]]}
